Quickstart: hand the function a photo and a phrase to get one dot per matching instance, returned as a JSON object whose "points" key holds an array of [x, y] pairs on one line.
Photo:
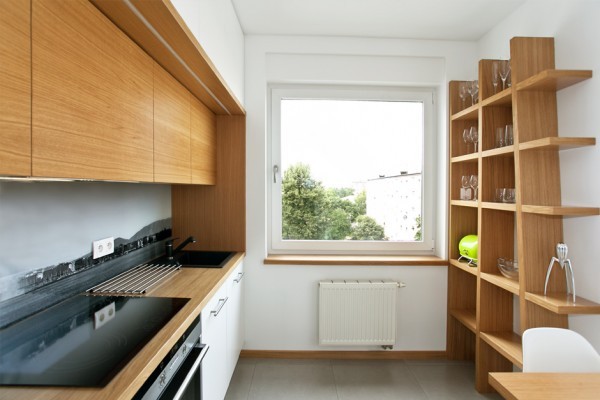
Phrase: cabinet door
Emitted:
{"points": [[171, 129], [92, 103], [235, 317], [204, 144], [215, 374], [15, 88]]}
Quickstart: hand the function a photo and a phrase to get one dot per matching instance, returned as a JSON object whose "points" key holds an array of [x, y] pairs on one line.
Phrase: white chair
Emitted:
{"points": [[558, 350]]}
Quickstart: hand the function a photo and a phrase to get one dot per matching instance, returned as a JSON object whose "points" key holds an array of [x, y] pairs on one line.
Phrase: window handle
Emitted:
{"points": [[275, 171]]}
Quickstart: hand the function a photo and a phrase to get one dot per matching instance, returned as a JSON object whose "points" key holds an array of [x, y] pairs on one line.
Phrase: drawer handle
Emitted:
{"points": [[239, 277], [220, 307]]}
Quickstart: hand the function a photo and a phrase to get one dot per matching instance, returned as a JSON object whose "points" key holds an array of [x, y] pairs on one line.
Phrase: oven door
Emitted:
{"points": [[187, 382]]}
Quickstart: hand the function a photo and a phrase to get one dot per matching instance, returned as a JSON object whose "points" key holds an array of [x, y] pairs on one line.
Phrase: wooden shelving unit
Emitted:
{"points": [[466, 317], [508, 344], [481, 301], [560, 303], [464, 266]]}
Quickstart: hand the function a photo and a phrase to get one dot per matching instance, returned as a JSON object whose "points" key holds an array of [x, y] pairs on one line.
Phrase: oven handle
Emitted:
{"points": [[191, 373]]}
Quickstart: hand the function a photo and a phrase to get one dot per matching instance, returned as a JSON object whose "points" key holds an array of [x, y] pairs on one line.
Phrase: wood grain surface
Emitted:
{"points": [[172, 129], [15, 88], [92, 96], [204, 144], [546, 386]]}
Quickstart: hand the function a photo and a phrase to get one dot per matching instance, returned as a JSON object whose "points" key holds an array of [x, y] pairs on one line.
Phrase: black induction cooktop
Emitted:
{"points": [[83, 341]]}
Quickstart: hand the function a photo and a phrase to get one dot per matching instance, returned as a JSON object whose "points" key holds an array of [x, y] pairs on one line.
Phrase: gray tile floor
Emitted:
{"points": [[266, 379]]}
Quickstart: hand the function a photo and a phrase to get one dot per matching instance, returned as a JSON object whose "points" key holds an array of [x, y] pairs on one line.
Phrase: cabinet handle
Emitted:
{"points": [[239, 277], [220, 307]]}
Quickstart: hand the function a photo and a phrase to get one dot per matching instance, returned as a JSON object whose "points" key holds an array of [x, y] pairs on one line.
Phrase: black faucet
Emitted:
{"points": [[170, 253]]}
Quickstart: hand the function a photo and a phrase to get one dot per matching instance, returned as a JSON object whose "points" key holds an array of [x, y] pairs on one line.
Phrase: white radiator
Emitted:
{"points": [[357, 312]]}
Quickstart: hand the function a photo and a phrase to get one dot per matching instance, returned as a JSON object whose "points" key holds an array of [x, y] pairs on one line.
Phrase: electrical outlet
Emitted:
{"points": [[103, 316], [103, 247]]}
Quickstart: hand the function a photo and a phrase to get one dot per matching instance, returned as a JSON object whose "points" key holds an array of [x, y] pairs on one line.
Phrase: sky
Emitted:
{"points": [[347, 141]]}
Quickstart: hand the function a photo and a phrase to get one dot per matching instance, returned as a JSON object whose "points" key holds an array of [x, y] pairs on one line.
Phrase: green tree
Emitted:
{"points": [[360, 204], [303, 201], [339, 225], [312, 212], [366, 228], [418, 233]]}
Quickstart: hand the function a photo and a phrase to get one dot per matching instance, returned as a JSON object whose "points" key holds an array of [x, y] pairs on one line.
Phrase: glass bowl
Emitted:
{"points": [[509, 268]]}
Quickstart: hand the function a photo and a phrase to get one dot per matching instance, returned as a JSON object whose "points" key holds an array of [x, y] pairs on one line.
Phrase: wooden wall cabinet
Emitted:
{"points": [[481, 301], [203, 144], [15, 88], [92, 96], [172, 126]]}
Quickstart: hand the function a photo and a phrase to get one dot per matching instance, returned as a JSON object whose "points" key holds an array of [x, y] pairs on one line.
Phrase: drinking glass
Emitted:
{"points": [[500, 137], [473, 183], [495, 76], [465, 190], [470, 90], [474, 136], [462, 92], [474, 91], [509, 195], [467, 136], [499, 195], [508, 136], [504, 70]]}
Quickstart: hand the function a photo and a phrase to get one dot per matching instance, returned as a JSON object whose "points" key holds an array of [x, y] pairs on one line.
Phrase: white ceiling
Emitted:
{"points": [[409, 19]]}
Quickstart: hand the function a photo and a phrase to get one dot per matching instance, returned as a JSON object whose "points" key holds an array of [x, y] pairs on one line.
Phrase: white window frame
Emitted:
{"points": [[276, 245]]}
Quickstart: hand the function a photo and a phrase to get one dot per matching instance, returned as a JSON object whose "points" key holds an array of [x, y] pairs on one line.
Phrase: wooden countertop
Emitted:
{"points": [[546, 386], [197, 284]]}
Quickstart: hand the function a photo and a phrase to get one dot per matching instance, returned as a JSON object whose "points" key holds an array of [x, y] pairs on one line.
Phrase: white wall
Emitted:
{"points": [[574, 25], [281, 301], [216, 27]]}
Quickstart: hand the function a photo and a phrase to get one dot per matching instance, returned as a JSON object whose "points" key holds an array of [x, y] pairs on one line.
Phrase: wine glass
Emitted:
{"points": [[465, 195], [495, 76], [462, 92], [473, 183], [474, 91], [474, 136], [467, 136], [469, 85], [504, 70]]}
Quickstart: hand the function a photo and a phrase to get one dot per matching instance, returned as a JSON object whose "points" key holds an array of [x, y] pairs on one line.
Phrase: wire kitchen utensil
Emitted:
{"points": [[561, 251]]}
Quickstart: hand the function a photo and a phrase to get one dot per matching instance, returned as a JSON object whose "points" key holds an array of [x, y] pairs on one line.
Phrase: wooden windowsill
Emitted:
{"points": [[325, 259]]}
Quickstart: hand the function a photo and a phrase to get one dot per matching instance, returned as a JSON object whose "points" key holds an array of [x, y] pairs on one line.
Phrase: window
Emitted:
{"points": [[352, 170]]}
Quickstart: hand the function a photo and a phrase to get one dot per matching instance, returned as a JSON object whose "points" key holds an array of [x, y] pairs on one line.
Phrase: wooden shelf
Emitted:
{"points": [[467, 114], [466, 317], [565, 211], [501, 281], [499, 206], [557, 143], [506, 343], [464, 203], [554, 80], [471, 157], [506, 151], [560, 303], [464, 266], [503, 98]]}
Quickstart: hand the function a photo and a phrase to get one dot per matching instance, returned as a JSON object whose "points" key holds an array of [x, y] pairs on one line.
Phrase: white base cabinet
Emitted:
{"points": [[223, 332]]}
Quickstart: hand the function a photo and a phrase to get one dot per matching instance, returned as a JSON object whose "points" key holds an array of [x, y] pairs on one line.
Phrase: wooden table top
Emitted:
{"points": [[546, 386], [197, 284]]}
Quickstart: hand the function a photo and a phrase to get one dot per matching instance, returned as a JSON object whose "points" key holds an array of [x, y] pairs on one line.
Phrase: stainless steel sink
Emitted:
{"points": [[203, 259]]}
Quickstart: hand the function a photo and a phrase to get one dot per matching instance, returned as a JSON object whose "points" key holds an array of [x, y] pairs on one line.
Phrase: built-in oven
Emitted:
{"points": [[179, 375]]}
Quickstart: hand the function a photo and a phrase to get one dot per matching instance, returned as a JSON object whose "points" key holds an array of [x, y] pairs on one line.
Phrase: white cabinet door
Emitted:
{"points": [[235, 320], [215, 368]]}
